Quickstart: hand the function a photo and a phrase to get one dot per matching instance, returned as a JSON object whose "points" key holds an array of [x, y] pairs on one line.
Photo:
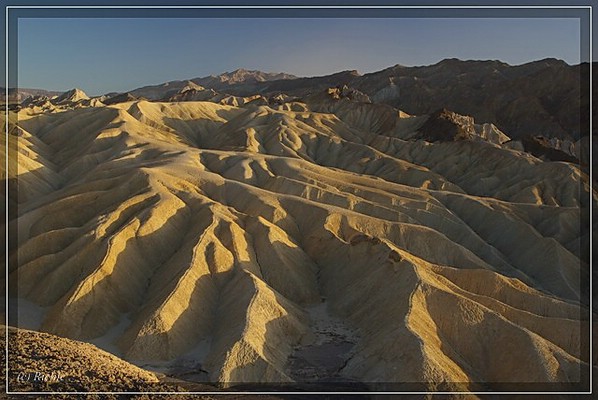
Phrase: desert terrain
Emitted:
{"points": [[320, 238]]}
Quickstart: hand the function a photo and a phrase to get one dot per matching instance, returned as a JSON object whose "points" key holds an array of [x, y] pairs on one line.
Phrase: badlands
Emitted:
{"points": [[324, 240]]}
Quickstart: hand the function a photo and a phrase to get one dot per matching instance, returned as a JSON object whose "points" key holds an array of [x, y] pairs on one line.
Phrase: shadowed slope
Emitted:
{"points": [[166, 227]]}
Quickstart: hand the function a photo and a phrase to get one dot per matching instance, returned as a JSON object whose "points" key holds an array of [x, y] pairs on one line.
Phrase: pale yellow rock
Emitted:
{"points": [[163, 226]]}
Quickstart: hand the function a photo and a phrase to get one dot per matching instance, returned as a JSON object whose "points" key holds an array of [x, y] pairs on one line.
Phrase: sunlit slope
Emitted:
{"points": [[195, 222]]}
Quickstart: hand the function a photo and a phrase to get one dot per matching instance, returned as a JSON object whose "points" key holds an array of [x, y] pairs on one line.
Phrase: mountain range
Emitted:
{"points": [[543, 97]]}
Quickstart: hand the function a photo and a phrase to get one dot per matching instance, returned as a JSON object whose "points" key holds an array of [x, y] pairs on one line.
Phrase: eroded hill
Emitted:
{"points": [[231, 240]]}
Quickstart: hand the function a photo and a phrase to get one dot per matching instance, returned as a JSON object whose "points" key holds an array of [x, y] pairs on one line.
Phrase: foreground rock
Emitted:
{"points": [[40, 362]]}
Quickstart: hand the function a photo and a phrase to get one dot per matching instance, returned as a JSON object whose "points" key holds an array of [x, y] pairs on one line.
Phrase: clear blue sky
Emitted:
{"points": [[105, 55]]}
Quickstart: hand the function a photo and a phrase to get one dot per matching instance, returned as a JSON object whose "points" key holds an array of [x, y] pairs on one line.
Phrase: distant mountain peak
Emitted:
{"points": [[457, 61], [243, 71], [71, 96], [242, 75], [550, 61], [349, 72]]}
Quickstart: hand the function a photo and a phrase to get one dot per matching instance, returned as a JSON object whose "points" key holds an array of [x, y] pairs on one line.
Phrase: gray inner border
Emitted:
{"points": [[522, 10]]}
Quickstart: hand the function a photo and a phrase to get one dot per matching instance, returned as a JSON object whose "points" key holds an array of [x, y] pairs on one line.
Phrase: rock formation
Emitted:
{"points": [[237, 240]]}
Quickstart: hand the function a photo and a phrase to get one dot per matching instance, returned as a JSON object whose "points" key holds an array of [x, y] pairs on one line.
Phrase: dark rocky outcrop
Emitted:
{"points": [[542, 147], [444, 125]]}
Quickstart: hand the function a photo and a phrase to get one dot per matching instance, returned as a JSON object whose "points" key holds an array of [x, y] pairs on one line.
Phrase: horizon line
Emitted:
{"points": [[305, 76]]}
